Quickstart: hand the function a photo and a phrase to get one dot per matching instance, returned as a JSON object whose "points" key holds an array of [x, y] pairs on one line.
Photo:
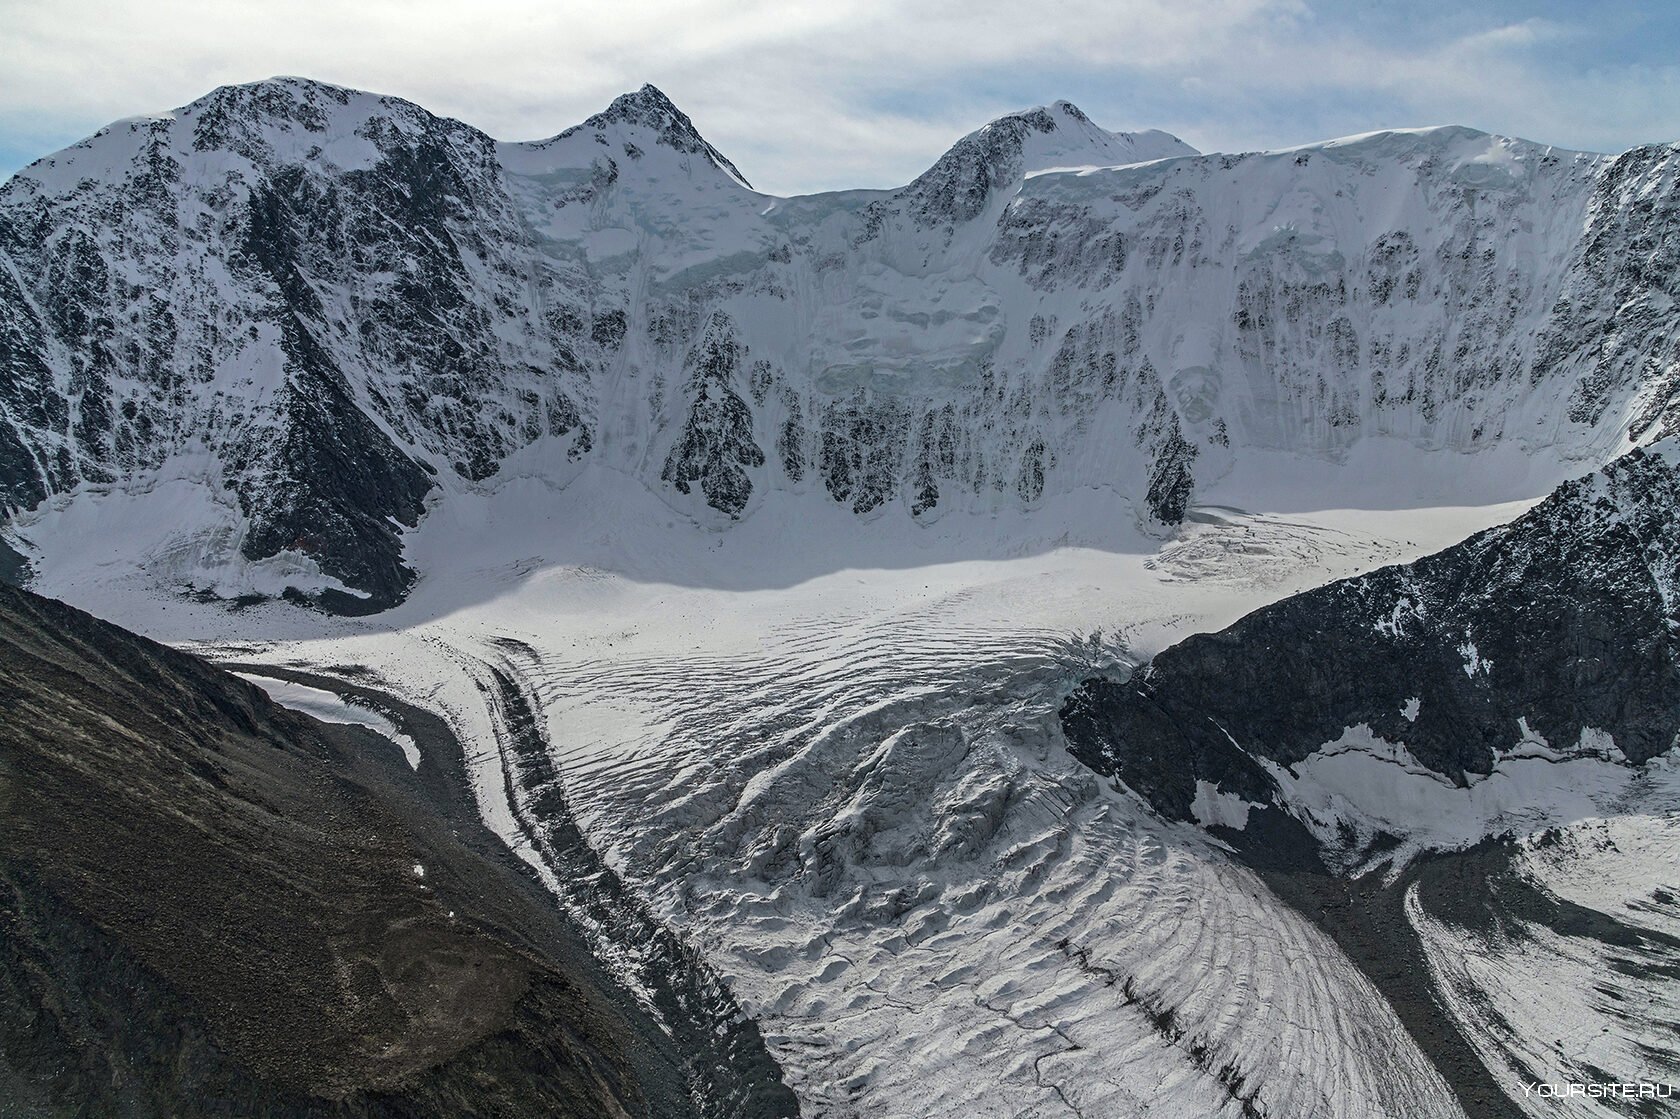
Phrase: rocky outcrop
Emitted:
{"points": [[716, 447], [1422, 759], [326, 482], [1558, 633]]}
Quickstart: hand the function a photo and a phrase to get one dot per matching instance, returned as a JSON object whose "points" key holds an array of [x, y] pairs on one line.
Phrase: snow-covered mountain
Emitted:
{"points": [[290, 319]]}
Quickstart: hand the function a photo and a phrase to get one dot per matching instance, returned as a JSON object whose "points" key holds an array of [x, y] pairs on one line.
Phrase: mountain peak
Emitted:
{"points": [[1045, 118], [649, 110], [1016, 145], [647, 105], [287, 99], [282, 118], [1063, 136]]}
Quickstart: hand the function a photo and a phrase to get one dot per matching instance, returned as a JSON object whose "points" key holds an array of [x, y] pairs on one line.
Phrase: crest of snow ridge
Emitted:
{"points": [[957, 186]]}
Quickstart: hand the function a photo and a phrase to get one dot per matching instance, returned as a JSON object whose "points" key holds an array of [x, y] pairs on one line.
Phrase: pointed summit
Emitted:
{"points": [[648, 110], [648, 107], [1020, 144]]}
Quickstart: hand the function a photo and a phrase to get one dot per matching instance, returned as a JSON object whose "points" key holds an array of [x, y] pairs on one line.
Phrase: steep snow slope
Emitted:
{"points": [[301, 310]]}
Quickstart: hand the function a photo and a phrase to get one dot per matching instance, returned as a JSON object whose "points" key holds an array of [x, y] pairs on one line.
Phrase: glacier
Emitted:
{"points": [[797, 520]]}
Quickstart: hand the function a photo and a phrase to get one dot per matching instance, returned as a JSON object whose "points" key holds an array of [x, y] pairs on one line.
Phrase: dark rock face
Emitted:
{"points": [[1566, 618], [209, 905], [1170, 479], [957, 187], [1614, 320], [329, 486], [320, 328], [28, 399], [859, 457], [716, 447]]}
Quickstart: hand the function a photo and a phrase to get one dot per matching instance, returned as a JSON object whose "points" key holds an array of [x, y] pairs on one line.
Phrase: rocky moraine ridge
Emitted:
{"points": [[324, 310]]}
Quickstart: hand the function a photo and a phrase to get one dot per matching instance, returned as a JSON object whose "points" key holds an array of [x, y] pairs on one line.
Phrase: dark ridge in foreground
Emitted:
{"points": [[727, 1070], [210, 905]]}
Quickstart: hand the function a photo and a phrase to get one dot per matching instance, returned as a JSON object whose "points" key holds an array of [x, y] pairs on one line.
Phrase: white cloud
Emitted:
{"points": [[818, 95]]}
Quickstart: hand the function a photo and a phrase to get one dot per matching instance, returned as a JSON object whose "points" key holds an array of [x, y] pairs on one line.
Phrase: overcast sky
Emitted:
{"points": [[843, 93]]}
